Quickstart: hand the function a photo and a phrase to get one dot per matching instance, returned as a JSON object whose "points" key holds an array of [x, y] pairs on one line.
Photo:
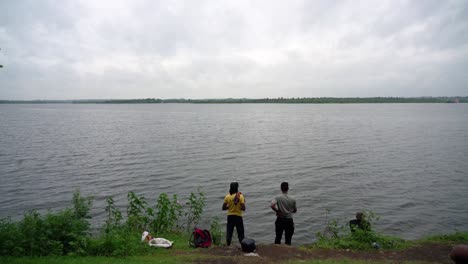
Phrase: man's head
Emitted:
{"points": [[284, 187], [359, 215], [233, 187]]}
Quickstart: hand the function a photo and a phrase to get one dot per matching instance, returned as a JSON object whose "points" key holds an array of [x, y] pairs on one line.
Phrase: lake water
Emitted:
{"points": [[408, 163]]}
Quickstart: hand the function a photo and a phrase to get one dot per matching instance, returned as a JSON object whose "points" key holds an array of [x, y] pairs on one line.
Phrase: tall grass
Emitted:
{"points": [[67, 232], [339, 235]]}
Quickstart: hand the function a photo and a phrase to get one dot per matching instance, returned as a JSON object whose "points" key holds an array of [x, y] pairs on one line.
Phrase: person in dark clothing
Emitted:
{"points": [[359, 222], [234, 203], [284, 206]]}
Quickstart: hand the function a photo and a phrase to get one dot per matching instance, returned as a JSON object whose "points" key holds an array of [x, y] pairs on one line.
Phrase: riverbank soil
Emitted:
{"points": [[424, 253]]}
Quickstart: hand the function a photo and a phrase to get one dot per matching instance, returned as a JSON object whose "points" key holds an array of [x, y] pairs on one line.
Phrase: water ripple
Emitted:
{"points": [[407, 163]]}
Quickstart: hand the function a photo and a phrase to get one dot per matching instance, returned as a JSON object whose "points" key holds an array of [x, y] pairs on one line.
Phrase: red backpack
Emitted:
{"points": [[200, 238]]}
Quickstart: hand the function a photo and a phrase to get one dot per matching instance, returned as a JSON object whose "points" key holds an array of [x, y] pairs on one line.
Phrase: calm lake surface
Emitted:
{"points": [[406, 162]]}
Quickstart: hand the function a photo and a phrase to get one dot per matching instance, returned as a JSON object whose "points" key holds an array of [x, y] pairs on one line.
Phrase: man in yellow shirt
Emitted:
{"points": [[234, 203]]}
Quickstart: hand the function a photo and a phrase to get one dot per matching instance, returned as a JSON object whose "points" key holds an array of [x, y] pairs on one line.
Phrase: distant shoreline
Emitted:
{"points": [[281, 100]]}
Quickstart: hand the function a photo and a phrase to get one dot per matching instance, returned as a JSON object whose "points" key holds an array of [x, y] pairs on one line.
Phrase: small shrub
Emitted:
{"points": [[81, 206], [195, 209], [113, 216], [119, 242], [456, 237], [62, 233], [167, 214], [137, 220], [215, 230], [9, 236], [340, 236], [67, 232]]}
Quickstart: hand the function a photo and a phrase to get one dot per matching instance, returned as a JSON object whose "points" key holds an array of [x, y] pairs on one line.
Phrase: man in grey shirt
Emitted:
{"points": [[284, 206]]}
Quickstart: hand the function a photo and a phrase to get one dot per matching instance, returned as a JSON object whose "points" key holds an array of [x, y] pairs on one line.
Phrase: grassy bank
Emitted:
{"points": [[182, 253], [98, 260], [65, 237], [168, 260], [434, 249]]}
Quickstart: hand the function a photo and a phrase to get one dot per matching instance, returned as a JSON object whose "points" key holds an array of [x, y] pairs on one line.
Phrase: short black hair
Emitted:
{"points": [[233, 187], [284, 186]]}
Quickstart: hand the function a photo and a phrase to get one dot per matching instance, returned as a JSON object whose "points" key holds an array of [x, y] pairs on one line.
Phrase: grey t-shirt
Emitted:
{"points": [[286, 205]]}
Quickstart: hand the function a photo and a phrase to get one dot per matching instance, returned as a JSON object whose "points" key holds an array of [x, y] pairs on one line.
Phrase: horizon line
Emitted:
{"points": [[239, 98]]}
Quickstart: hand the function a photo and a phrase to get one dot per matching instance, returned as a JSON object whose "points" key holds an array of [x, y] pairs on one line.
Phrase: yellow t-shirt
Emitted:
{"points": [[234, 209]]}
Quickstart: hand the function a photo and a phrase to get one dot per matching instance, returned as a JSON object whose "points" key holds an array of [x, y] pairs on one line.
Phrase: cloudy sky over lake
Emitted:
{"points": [[220, 49]]}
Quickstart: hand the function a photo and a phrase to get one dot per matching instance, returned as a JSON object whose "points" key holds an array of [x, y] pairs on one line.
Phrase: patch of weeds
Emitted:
{"points": [[340, 236]]}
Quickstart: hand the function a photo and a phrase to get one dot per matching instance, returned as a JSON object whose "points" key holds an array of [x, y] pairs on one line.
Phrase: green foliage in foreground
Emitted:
{"points": [[339, 236], [346, 261], [157, 258], [62, 233], [457, 237], [215, 230], [162, 256], [336, 236], [68, 232]]}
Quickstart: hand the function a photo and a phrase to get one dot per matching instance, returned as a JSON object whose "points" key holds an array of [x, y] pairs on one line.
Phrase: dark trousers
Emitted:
{"points": [[286, 225], [234, 221]]}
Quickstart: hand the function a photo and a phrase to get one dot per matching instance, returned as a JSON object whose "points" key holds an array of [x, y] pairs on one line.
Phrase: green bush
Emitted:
{"points": [[340, 236], [67, 232], [123, 238], [62, 233], [9, 235], [215, 230], [119, 242], [166, 214], [114, 240], [456, 237], [137, 219], [113, 216], [195, 209]]}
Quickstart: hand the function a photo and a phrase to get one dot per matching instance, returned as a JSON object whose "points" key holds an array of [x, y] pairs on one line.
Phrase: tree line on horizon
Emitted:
{"points": [[279, 100]]}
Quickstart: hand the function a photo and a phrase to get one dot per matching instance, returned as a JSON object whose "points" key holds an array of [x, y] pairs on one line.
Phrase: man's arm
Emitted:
{"points": [[273, 206], [243, 203], [225, 204], [294, 208]]}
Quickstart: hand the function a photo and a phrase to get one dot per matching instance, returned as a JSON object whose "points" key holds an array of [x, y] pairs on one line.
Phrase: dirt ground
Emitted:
{"points": [[430, 253]]}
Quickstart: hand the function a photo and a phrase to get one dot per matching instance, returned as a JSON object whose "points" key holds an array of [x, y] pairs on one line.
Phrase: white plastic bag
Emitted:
{"points": [[156, 242], [160, 242]]}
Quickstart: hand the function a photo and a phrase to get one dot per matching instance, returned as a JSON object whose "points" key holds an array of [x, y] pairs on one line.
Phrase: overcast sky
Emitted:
{"points": [[220, 49]]}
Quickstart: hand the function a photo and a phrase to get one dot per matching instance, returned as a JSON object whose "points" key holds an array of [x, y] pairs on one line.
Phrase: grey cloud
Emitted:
{"points": [[172, 49]]}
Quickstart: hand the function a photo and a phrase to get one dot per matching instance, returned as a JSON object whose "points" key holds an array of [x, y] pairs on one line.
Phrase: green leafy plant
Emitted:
{"points": [[336, 235], [113, 216], [167, 214], [215, 230], [67, 232], [121, 239], [195, 204], [81, 206], [63, 233], [137, 219], [455, 237]]}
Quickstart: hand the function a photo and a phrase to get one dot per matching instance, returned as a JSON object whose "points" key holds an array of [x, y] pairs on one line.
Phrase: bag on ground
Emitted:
{"points": [[200, 238], [248, 245]]}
